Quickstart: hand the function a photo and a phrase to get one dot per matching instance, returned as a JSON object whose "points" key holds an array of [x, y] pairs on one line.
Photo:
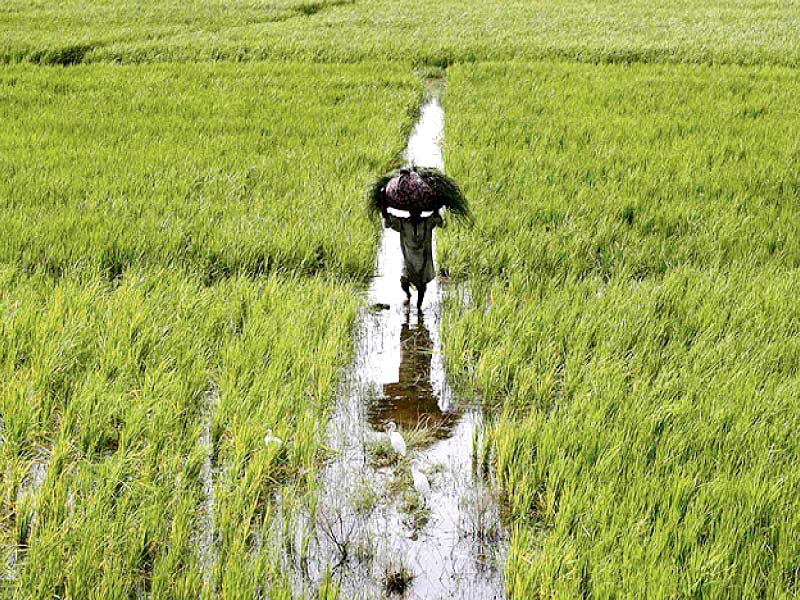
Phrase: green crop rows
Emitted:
{"points": [[433, 33], [633, 283], [181, 258], [183, 243], [220, 168]]}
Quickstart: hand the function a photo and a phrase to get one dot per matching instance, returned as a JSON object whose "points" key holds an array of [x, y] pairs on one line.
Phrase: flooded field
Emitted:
{"points": [[371, 532], [210, 384], [138, 386]]}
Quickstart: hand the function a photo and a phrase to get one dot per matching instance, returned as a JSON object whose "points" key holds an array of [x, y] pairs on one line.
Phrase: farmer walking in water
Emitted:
{"points": [[420, 193], [416, 242]]}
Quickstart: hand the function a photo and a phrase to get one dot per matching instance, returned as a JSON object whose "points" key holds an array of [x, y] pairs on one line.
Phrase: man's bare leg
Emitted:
{"points": [[420, 295], [404, 285]]}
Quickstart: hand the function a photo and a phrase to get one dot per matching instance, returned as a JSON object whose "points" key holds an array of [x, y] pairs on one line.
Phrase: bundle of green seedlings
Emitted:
{"points": [[428, 190], [629, 321]]}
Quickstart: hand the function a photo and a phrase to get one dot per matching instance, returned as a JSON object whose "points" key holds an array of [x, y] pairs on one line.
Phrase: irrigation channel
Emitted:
{"points": [[369, 531]]}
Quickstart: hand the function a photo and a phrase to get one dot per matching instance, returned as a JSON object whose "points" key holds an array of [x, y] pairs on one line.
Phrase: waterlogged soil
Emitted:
{"points": [[370, 531], [205, 536]]}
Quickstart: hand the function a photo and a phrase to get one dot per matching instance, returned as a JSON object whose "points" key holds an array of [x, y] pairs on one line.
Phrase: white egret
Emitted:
{"points": [[396, 438], [421, 483], [271, 439]]}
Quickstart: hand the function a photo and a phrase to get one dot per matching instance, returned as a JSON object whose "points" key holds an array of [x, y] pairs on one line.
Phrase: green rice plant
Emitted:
{"points": [[424, 33], [114, 376], [157, 318], [381, 454], [622, 171], [66, 32], [101, 385], [219, 169], [631, 320], [280, 371]]}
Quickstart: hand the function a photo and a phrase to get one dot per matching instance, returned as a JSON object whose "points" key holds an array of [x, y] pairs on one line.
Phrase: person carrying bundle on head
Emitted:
{"points": [[421, 193], [416, 242]]}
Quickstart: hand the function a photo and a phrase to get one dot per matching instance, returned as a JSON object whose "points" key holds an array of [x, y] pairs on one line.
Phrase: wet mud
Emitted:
{"points": [[204, 537]]}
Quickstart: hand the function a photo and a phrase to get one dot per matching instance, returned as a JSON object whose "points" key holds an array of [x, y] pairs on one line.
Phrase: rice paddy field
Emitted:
{"points": [[633, 317], [108, 388], [185, 248], [216, 168], [423, 33]]}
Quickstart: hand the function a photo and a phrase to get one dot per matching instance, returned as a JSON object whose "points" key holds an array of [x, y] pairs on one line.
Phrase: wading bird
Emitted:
{"points": [[396, 438], [421, 483]]}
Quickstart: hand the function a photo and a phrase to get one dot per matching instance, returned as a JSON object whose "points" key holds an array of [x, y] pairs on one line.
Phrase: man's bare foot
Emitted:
{"points": [[407, 301]]}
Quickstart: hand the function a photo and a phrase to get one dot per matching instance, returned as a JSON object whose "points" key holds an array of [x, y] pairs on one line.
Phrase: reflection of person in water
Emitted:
{"points": [[411, 401]]}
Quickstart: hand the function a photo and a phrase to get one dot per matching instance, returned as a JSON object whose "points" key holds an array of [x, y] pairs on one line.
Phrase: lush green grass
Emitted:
{"points": [[65, 32], [179, 244], [107, 385], [179, 269], [633, 315], [745, 31], [216, 168]]}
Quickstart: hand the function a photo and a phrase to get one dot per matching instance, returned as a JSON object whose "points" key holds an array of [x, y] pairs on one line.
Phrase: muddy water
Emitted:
{"points": [[370, 532], [204, 537]]}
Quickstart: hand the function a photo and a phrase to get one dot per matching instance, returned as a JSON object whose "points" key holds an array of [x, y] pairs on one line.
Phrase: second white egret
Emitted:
{"points": [[421, 483]]}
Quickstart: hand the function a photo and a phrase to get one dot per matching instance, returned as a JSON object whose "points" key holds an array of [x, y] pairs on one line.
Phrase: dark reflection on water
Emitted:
{"points": [[411, 401]]}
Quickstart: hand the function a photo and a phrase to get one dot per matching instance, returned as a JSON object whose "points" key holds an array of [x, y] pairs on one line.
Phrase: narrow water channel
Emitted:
{"points": [[370, 532]]}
